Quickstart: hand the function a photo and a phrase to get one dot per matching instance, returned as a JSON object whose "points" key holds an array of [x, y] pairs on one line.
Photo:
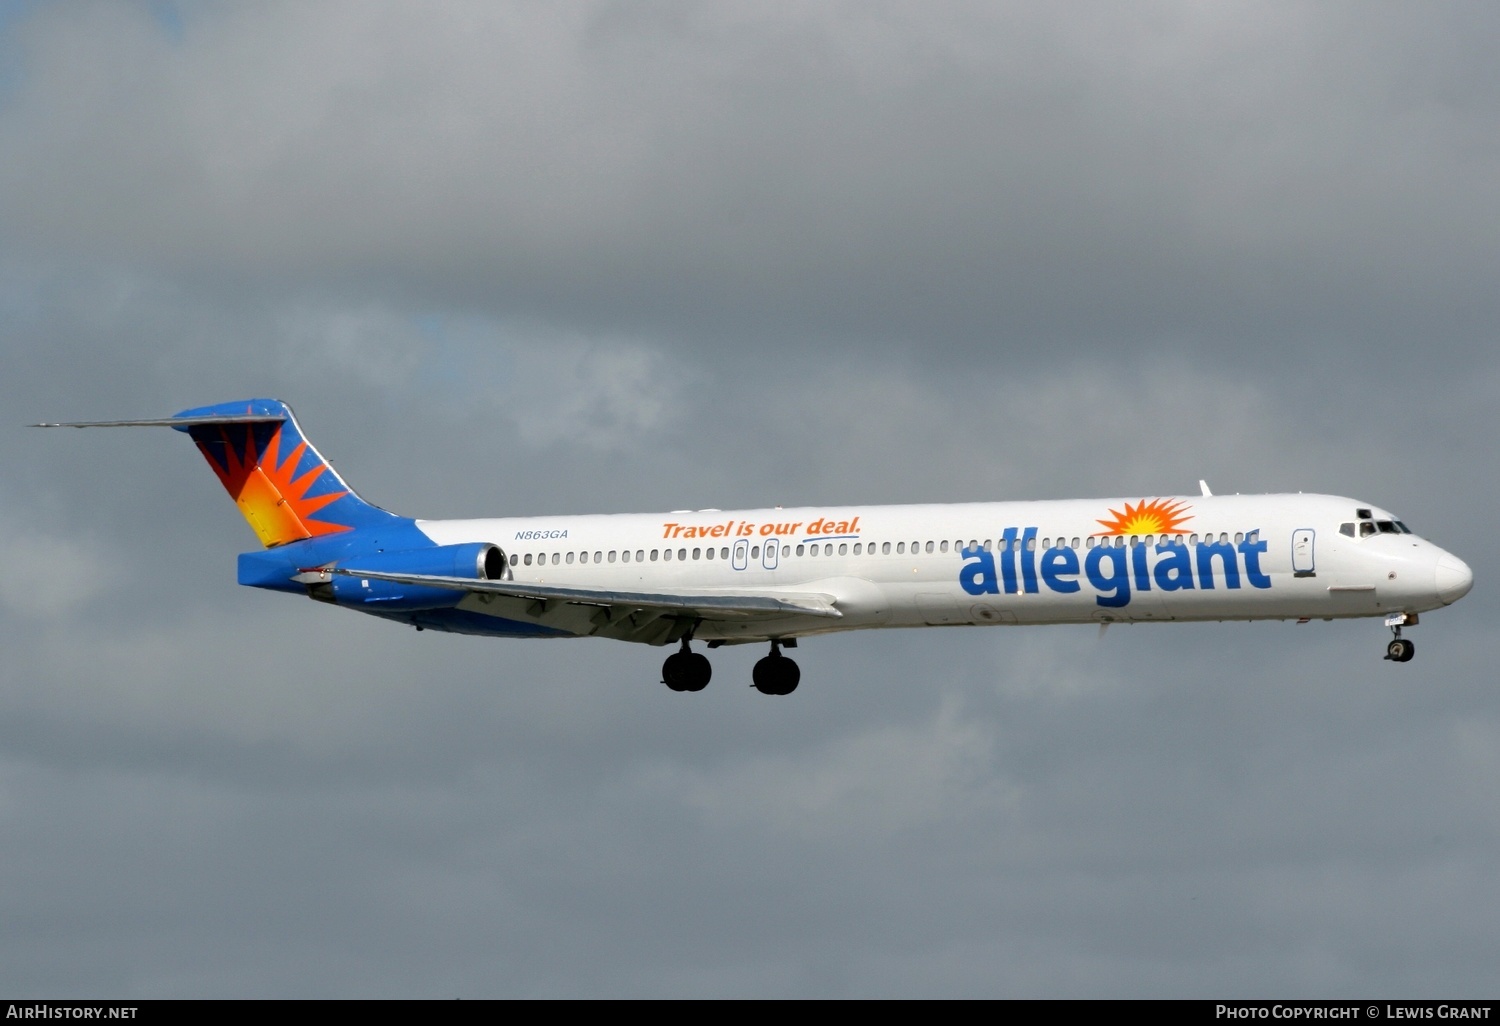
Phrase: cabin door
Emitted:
{"points": [[1302, 552]]}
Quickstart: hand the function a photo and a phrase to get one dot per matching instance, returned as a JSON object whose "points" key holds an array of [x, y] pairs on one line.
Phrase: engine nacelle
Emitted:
{"points": [[476, 561]]}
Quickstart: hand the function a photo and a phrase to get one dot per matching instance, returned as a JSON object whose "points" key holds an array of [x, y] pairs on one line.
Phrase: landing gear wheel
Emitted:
{"points": [[686, 670], [1400, 650], [776, 674], [699, 670], [674, 672]]}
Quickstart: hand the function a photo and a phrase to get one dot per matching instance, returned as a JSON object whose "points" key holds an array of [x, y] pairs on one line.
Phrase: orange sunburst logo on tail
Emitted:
{"points": [[1158, 516], [267, 489]]}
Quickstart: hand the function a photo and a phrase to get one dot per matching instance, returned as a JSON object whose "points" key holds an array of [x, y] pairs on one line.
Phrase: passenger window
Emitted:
{"points": [[801, 549], [901, 548], [1239, 536], [611, 555], [654, 553], [640, 555], [843, 548], [724, 552], [570, 559], [528, 559], [697, 553]]}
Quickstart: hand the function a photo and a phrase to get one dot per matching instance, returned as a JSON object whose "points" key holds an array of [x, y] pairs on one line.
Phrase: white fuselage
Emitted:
{"points": [[1072, 561]]}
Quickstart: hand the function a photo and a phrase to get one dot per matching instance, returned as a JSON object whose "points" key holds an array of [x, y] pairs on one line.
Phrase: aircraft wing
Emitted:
{"points": [[652, 617]]}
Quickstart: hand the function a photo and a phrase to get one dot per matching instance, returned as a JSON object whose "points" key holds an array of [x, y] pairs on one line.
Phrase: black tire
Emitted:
{"points": [[698, 671], [791, 676], [675, 672], [776, 675]]}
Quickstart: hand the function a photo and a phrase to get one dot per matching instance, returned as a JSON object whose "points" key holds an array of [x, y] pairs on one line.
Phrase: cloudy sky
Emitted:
{"points": [[593, 256]]}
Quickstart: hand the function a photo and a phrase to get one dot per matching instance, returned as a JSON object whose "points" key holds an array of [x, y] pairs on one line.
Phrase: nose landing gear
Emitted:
{"points": [[776, 674], [686, 670], [1400, 650]]}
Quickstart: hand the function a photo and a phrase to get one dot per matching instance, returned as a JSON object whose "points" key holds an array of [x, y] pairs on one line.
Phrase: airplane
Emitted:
{"points": [[727, 577]]}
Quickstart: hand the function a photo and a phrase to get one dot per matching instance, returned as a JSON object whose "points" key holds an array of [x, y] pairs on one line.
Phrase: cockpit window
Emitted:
{"points": [[1366, 528]]}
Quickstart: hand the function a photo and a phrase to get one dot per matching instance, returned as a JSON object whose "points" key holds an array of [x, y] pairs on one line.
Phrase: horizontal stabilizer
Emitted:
{"points": [[284, 488], [175, 422]]}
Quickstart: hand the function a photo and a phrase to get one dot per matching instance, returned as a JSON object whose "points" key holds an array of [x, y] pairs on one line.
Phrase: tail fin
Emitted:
{"points": [[283, 486]]}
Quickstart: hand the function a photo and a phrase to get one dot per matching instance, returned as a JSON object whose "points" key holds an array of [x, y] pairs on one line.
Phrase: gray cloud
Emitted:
{"points": [[596, 257], [975, 181]]}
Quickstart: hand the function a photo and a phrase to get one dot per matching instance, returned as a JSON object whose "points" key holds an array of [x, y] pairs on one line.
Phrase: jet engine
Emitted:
{"points": [[475, 561]]}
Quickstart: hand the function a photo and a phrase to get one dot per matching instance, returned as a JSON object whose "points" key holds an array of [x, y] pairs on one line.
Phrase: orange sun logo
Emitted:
{"points": [[1159, 516], [267, 489]]}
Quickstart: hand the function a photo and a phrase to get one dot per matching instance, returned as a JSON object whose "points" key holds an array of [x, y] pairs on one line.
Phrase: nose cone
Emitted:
{"points": [[1454, 579]]}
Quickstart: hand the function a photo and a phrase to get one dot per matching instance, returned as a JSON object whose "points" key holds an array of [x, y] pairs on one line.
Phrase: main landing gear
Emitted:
{"points": [[1400, 650], [776, 674], [686, 670]]}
